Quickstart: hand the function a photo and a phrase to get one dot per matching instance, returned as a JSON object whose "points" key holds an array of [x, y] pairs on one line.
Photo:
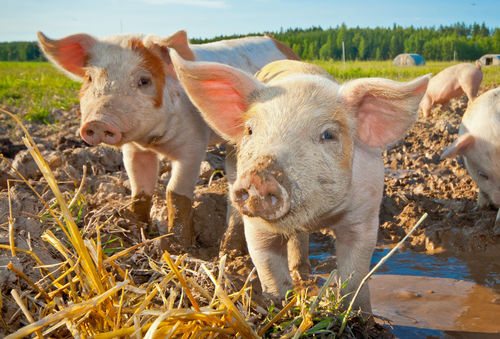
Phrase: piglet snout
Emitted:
{"points": [[96, 132], [260, 195]]}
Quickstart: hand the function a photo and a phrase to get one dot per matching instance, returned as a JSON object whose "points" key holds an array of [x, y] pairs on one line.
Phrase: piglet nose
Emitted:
{"points": [[260, 196], [95, 132]]}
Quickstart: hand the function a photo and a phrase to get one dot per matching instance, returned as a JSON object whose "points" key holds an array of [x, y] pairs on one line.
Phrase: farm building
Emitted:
{"points": [[490, 60], [407, 59]]}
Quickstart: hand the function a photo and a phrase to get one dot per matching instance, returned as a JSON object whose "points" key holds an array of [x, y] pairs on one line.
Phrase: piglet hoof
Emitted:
{"points": [[141, 207], [301, 273], [274, 300], [179, 216]]}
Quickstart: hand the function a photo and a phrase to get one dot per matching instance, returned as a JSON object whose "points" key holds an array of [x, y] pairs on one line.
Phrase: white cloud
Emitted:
{"points": [[196, 3]]}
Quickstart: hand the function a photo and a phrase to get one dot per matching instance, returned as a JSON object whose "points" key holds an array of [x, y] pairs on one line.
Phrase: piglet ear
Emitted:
{"points": [[384, 109], [219, 91], [70, 53], [459, 146], [177, 41]]}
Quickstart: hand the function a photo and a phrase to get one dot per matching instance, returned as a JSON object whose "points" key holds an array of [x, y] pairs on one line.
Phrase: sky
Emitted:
{"points": [[21, 19]]}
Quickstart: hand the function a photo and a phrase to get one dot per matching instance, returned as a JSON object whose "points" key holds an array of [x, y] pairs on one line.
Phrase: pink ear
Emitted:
{"points": [[459, 146], [180, 43], [219, 91], [384, 109], [70, 53]]}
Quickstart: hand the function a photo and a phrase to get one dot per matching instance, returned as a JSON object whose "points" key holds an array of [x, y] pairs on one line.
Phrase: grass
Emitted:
{"points": [[35, 90]]}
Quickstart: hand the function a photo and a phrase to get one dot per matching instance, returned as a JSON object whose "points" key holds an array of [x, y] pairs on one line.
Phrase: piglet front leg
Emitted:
{"points": [[354, 246], [180, 216], [268, 251], [142, 169], [185, 170], [298, 255]]}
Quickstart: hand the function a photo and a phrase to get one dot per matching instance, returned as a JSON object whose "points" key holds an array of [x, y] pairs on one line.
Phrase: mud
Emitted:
{"points": [[416, 182]]}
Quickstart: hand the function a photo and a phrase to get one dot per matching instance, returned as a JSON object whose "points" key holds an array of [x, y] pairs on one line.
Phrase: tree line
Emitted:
{"points": [[20, 51], [454, 42]]}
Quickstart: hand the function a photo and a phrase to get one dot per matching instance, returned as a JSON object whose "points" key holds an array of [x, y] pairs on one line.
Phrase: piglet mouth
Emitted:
{"points": [[255, 196]]}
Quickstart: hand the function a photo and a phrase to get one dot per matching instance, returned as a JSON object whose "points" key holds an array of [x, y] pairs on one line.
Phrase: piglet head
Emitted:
{"points": [[296, 136], [128, 82], [482, 160]]}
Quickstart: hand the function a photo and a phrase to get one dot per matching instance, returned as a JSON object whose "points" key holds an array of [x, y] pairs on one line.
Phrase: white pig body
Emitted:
{"points": [[131, 98], [309, 156], [450, 83], [479, 143]]}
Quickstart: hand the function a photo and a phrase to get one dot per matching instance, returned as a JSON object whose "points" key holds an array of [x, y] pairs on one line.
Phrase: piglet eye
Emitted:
{"points": [[327, 135], [144, 81], [249, 130], [483, 175], [88, 77]]}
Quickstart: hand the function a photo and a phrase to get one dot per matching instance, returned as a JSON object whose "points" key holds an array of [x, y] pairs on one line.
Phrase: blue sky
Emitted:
{"points": [[20, 19]]}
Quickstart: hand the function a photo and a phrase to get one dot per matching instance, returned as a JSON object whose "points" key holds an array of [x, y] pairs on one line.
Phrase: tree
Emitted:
{"points": [[362, 48]]}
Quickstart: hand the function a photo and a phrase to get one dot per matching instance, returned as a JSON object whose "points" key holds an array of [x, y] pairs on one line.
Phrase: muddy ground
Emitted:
{"points": [[417, 181]]}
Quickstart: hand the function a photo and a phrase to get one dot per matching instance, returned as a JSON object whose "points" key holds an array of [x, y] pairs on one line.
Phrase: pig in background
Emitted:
{"points": [[308, 157], [479, 143], [130, 98], [450, 83]]}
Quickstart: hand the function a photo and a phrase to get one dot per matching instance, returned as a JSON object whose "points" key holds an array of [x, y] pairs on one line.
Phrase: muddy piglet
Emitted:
{"points": [[308, 157], [130, 98], [479, 143], [450, 83]]}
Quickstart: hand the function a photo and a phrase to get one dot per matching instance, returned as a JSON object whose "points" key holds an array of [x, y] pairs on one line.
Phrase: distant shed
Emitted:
{"points": [[490, 60], [409, 59]]}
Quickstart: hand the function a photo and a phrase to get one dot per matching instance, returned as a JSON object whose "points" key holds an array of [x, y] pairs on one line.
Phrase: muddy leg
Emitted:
{"points": [[185, 171], [298, 255], [142, 169], [141, 206], [179, 216], [234, 237], [269, 255]]}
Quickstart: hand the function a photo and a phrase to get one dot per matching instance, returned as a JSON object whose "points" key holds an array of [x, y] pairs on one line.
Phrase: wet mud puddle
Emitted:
{"points": [[430, 296]]}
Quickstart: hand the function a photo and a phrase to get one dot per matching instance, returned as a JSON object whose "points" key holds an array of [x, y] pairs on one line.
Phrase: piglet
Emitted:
{"points": [[450, 83], [479, 143], [131, 99], [308, 156]]}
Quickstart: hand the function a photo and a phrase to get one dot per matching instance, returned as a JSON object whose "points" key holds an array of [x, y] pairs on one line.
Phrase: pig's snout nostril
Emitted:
{"points": [[241, 195], [89, 132], [109, 134], [273, 199]]}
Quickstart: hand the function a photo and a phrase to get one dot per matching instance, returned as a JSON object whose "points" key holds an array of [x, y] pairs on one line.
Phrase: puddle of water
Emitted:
{"points": [[483, 270], [430, 296]]}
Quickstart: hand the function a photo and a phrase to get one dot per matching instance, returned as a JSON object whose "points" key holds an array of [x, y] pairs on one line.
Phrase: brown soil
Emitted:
{"points": [[416, 182]]}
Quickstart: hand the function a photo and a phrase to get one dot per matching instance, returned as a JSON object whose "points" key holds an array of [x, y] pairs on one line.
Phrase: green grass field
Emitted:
{"points": [[385, 69], [35, 89]]}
